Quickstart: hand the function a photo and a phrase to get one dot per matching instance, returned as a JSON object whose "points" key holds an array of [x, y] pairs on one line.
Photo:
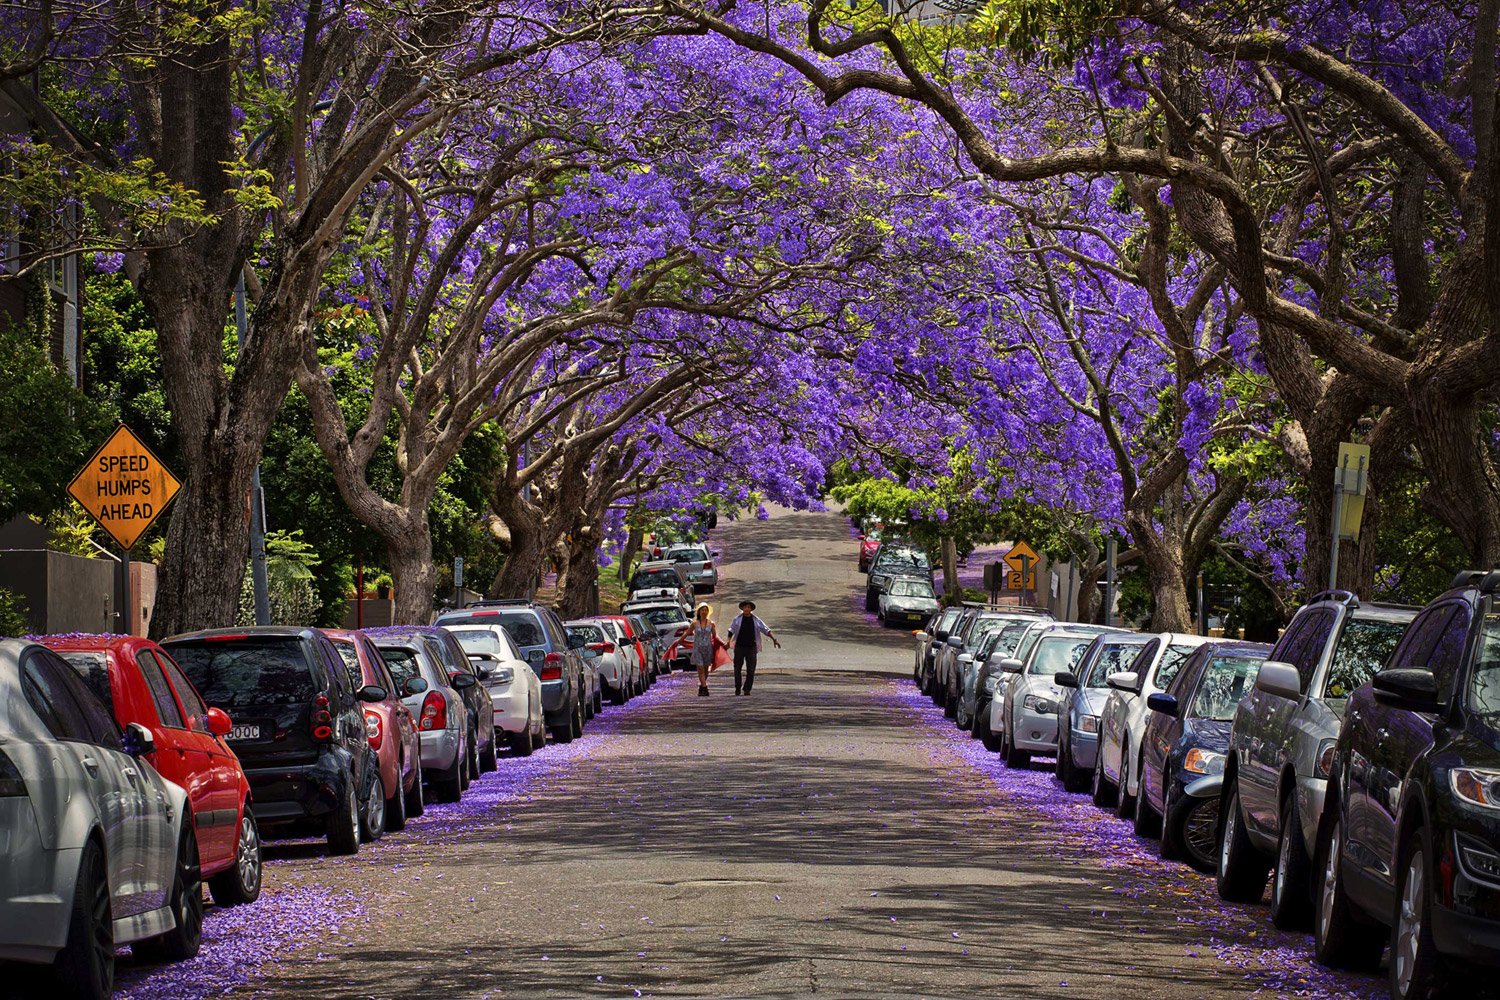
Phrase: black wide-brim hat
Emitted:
{"points": [[747, 604]]}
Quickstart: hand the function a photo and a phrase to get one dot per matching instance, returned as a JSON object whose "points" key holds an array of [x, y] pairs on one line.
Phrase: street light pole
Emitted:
{"points": [[258, 576]]}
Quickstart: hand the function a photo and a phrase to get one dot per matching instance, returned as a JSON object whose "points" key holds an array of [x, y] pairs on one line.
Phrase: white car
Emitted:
{"points": [[99, 850], [616, 664], [1023, 708], [698, 563], [515, 688], [1122, 724], [632, 653]]}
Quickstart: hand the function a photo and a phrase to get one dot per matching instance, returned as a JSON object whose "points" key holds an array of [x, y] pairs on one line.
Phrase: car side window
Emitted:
{"points": [[1318, 630], [333, 663], [186, 693], [1292, 640], [1144, 657], [37, 689], [1422, 634], [80, 711], [1447, 657], [161, 692]]}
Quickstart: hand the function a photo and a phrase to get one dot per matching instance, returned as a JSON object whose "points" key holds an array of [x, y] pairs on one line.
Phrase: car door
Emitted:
{"points": [[228, 775], [181, 755]]}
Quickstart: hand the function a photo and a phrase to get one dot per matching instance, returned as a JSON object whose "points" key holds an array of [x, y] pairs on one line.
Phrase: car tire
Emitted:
{"points": [[85, 967], [1015, 757], [1124, 801], [979, 725], [1102, 788], [416, 799], [1147, 821], [240, 884], [872, 600], [521, 744], [372, 816], [564, 732], [1342, 939], [474, 765], [395, 806], [1242, 870], [1196, 838], [619, 695], [1170, 847], [489, 757], [1416, 968], [577, 722], [598, 702], [448, 786], [1291, 899], [1073, 777], [186, 900], [344, 821], [950, 704]]}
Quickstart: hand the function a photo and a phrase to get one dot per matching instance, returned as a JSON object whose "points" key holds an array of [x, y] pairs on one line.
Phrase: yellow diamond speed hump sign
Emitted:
{"points": [[124, 486]]}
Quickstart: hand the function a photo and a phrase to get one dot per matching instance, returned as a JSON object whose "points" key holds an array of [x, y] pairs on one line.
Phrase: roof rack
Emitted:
{"points": [[491, 602], [1021, 608], [1487, 581], [1347, 597]]}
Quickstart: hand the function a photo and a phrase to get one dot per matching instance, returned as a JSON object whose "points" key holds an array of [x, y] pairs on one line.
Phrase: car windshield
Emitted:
{"points": [[1224, 683], [652, 579], [402, 663], [479, 640], [1112, 659], [946, 621], [690, 555], [1363, 647], [982, 628], [912, 588], [1057, 652], [664, 616], [588, 633], [523, 628], [93, 667], [1171, 661], [1028, 640], [1010, 637], [1484, 686], [239, 674], [898, 559]]}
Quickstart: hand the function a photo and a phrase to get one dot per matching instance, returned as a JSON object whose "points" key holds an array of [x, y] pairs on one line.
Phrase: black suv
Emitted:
{"points": [[1410, 838], [544, 642], [299, 724]]}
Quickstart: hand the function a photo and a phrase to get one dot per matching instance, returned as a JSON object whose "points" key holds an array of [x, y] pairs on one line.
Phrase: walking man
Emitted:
{"points": [[744, 635]]}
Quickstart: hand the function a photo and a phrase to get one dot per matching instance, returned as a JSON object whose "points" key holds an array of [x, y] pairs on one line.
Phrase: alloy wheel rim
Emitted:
{"points": [[1198, 831], [376, 810], [247, 858], [1230, 822], [1330, 885], [353, 812], [1409, 926], [1283, 858], [190, 903]]}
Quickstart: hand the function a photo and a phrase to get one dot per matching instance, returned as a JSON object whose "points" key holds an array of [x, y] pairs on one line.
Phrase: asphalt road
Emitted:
{"points": [[831, 834]]}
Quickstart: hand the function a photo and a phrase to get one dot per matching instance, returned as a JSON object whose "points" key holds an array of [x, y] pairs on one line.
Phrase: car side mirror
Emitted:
{"points": [[954, 641], [137, 740], [218, 722], [1122, 680], [1066, 679], [1410, 688], [462, 682], [922, 636], [1164, 703], [371, 692], [415, 685], [1011, 665], [1279, 679], [939, 635], [965, 657]]}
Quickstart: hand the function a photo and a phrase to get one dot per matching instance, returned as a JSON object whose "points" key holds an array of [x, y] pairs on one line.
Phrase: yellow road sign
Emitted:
{"points": [[124, 486], [1014, 581], [1022, 558]]}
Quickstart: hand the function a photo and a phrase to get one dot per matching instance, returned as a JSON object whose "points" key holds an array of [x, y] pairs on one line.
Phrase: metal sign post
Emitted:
{"points": [[458, 582], [258, 575], [1350, 481], [1109, 580]]}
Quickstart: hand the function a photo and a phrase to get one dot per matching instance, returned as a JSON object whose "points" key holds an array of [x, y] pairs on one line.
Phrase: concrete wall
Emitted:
{"points": [[62, 593], [142, 596]]}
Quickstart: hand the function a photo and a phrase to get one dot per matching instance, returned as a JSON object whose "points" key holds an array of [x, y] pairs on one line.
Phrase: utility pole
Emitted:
{"points": [[257, 500], [1202, 609], [1109, 580]]}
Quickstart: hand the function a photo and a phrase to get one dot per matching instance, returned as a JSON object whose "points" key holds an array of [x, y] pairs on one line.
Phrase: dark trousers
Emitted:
{"points": [[744, 659]]}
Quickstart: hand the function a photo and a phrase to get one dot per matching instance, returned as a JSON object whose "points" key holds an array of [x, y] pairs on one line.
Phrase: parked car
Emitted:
{"points": [[637, 640], [907, 600], [139, 683], [893, 559], [672, 625], [609, 665], [1084, 694], [99, 847], [1281, 747], [869, 541], [390, 728], [698, 563], [483, 745], [975, 677], [434, 697], [539, 634], [299, 726], [1122, 724], [928, 642], [661, 578], [515, 687], [622, 677], [1025, 701], [1410, 838], [1185, 746]]}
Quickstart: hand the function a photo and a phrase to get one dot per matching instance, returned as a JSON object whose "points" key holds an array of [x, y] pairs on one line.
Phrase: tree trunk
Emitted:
{"points": [[1161, 554], [627, 556], [953, 590], [414, 577], [528, 547], [208, 544], [576, 580], [1089, 569]]}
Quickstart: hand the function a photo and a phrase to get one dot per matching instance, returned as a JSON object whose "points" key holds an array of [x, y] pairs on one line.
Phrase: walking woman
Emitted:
{"points": [[705, 644]]}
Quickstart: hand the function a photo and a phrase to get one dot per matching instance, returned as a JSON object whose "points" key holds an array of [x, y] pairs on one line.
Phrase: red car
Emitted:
{"points": [[868, 543], [389, 725], [139, 682]]}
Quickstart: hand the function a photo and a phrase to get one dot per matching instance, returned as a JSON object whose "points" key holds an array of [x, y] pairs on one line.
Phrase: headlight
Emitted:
{"points": [[1088, 723], [1036, 703], [1324, 766], [1203, 762], [1476, 786]]}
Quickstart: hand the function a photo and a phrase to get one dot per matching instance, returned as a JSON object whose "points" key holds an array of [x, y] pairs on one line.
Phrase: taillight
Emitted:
{"points": [[602, 647], [434, 712], [11, 782], [552, 667], [372, 729], [322, 719], [609, 647]]}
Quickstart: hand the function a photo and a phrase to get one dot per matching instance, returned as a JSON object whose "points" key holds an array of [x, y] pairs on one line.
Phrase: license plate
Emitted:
{"points": [[245, 733]]}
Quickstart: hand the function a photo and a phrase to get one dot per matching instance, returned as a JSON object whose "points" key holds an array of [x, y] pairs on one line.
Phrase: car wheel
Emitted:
{"points": [[539, 736], [472, 769], [564, 732], [521, 744], [1147, 821], [241, 882], [950, 704], [1073, 777], [577, 723], [871, 600], [961, 717], [1200, 835], [1124, 801], [416, 799], [1103, 789], [598, 703], [85, 967], [343, 822], [1242, 871], [372, 822], [1291, 903], [1341, 939], [489, 757], [395, 807], [448, 786], [979, 725], [619, 695], [1416, 967], [1014, 756], [186, 900]]}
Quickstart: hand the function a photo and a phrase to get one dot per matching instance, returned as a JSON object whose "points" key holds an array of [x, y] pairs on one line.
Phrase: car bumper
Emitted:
{"points": [[439, 748], [512, 706], [284, 794], [908, 615], [1085, 749], [554, 697], [1468, 936], [1035, 732], [36, 887]]}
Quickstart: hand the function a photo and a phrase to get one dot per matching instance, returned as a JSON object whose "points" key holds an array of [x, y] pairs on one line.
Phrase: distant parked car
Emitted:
{"points": [[99, 847], [908, 601], [1281, 747], [1185, 746], [434, 697], [928, 641], [869, 543], [613, 663], [673, 625], [893, 559], [513, 683], [391, 729], [637, 641], [482, 742], [1026, 699], [1410, 838], [661, 578], [978, 677], [1084, 694], [299, 725], [540, 636], [698, 563], [964, 637], [1122, 725], [139, 683]]}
